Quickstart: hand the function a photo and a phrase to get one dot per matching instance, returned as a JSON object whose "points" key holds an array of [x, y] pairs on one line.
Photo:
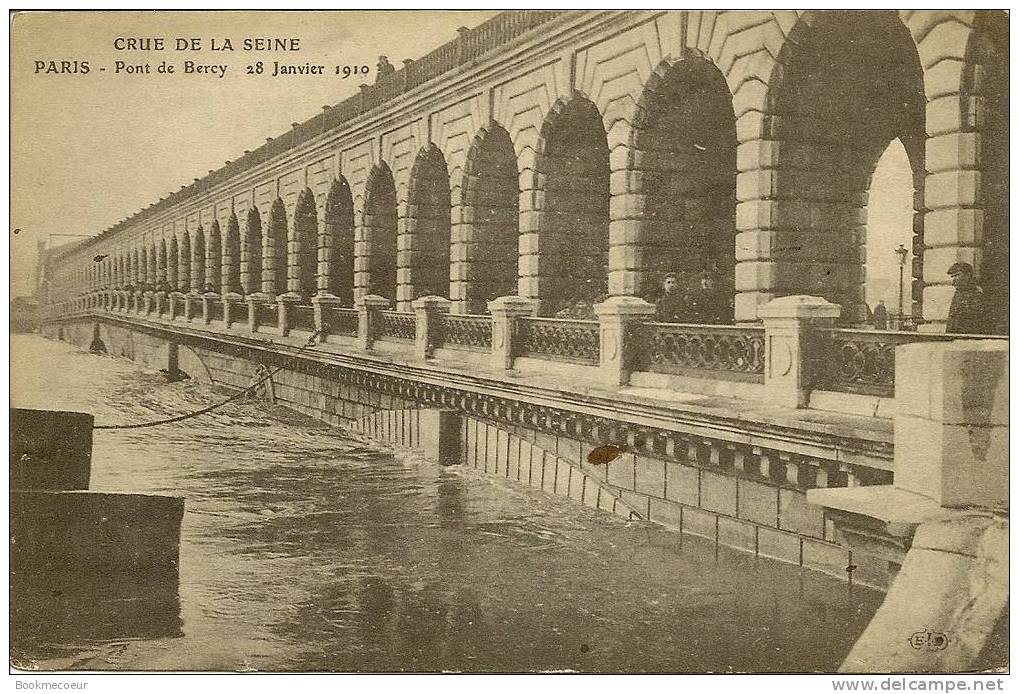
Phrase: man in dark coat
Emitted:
{"points": [[966, 314], [670, 306], [709, 305]]}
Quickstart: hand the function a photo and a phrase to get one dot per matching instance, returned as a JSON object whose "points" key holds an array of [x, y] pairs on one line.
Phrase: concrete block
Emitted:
{"points": [[757, 502], [796, 515], [592, 492], [650, 476], [666, 513], [778, 545], [735, 533], [621, 471], [825, 557], [718, 493], [700, 523], [682, 483], [576, 484], [562, 478], [548, 472], [639, 502], [569, 449]]}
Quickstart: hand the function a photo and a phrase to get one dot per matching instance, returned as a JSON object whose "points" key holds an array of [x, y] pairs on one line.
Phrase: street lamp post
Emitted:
{"points": [[901, 252]]}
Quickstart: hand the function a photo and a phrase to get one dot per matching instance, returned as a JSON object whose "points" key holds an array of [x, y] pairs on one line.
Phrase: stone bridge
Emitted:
{"points": [[580, 154], [427, 231]]}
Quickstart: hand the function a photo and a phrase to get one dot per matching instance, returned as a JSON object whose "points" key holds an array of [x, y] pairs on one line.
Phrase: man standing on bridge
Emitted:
{"points": [[966, 314]]}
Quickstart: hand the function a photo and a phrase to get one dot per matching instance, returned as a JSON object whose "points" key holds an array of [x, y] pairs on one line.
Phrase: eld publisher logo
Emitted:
{"points": [[928, 640]]}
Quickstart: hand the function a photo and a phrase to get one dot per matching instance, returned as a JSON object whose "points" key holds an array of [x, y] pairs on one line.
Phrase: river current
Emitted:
{"points": [[305, 548]]}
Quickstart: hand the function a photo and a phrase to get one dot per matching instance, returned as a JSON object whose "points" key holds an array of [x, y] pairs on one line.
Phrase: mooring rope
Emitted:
{"points": [[205, 410]]}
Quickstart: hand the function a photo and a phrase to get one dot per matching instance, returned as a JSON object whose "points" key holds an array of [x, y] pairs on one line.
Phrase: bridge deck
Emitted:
{"points": [[834, 436]]}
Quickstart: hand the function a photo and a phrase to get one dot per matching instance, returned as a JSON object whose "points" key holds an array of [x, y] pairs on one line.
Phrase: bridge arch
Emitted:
{"points": [[379, 248], [185, 267], [213, 258], [683, 151], [572, 251], [423, 247], [274, 256], [486, 245], [847, 85], [251, 252], [303, 256], [162, 265], [232, 256], [173, 263], [198, 261], [338, 243]]}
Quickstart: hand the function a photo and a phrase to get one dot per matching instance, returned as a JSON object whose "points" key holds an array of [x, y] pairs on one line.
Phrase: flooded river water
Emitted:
{"points": [[305, 548]]}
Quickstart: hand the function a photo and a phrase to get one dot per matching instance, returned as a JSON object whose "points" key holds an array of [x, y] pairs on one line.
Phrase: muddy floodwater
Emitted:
{"points": [[304, 548]]}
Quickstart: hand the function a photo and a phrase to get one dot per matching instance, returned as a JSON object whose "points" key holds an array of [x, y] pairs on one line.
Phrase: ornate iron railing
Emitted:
{"points": [[715, 351], [397, 326], [558, 338], [266, 314], [467, 332], [215, 309], [863, 361], [340, 321], [301, 317]]}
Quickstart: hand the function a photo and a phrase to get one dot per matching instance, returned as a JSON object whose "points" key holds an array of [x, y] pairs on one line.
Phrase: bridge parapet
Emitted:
{"points": [[798, 361]]}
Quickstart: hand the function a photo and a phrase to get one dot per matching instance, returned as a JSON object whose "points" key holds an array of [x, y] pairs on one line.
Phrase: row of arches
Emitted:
{"points": [[846, 136]]}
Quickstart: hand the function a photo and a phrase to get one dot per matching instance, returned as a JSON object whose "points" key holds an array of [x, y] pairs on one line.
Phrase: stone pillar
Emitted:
{"points": [[230, 299], [160, 301], [788, 324], [626, 215], [284, 302], [505, 311], [758, 228], [428, 311], [207, 297], [321, 301], [254, 301], [148, 301], [177, 303], [617, 353], [951, 421], [368, 308]]}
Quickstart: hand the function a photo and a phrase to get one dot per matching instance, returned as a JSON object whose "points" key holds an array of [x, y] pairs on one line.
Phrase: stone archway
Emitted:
{"points": [[686, 141], [303, 259], [573, 236], [380, 227], [850, 83], [423, 249], [489, 241], [251, 252], [338, 240]]}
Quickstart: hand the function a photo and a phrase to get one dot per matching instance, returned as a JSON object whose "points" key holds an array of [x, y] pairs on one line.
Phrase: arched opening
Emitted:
{"points": [[214, 258], [161, 267], [851, 84], [339, 230], [688, 173], [274, 273], [232, 256], [986, 102], [573, 245], [426, 248], [251, 252], [889, 218], [380, 232], [143, 269], [304, 263], [198, 261], [173, 265], [185, 267], [492, 203]]}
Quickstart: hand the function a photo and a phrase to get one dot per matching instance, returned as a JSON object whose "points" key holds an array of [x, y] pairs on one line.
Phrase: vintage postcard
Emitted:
{"points": [[524, 341]]}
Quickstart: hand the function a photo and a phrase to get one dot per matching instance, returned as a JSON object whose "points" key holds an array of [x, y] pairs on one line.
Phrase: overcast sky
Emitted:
{"points": [[90, 150]]}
